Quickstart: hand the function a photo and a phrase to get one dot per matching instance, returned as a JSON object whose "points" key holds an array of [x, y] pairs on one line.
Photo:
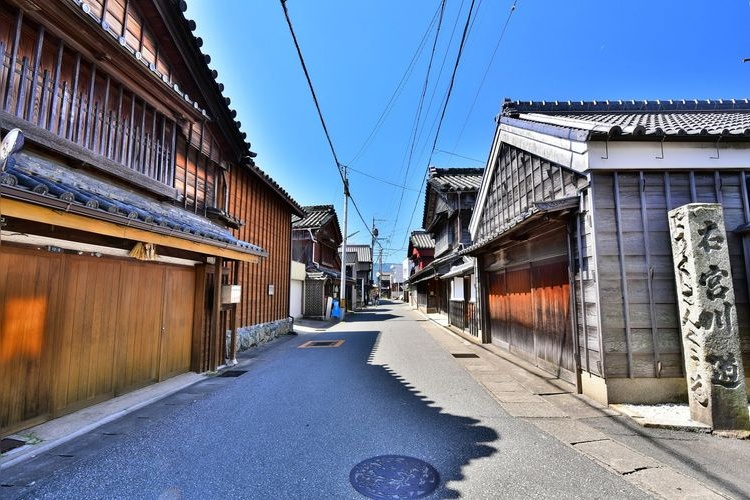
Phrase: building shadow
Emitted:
{"points": [[293, 426]]}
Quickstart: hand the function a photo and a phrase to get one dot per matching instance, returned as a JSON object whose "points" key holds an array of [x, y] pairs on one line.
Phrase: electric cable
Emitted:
{"points": [[445, 103], [486, 71], [315, 97], [397, 91]]}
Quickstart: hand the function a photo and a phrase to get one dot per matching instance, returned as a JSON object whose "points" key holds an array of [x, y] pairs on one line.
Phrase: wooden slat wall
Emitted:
{"points": [[267, 224], [28, 294], [648, 337], [519, 179], [586, 291], [76, 330], [45, 82]]}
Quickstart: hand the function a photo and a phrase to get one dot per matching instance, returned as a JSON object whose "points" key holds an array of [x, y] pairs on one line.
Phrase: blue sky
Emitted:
{"points": [[358, 51]]}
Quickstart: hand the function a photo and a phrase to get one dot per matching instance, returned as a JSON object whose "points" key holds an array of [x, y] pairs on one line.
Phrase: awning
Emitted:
{"points": [[43, 191], [461, 270]]}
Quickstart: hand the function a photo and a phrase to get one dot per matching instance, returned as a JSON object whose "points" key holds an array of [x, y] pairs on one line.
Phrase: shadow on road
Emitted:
{"points": [[400, 420], [305, 415]]}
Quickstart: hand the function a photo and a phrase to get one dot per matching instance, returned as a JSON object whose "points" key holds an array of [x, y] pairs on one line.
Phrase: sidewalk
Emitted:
{"points": [[656, 453]]}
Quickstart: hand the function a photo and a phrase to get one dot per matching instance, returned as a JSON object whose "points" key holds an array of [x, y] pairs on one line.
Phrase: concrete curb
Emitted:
{"points": [[83, 426]]}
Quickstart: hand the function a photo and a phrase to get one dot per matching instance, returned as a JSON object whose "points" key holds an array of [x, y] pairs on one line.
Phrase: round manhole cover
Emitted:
{"points": [[394, 477]]}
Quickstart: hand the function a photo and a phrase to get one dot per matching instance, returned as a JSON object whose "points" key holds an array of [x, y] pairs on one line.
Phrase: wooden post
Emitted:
{"points": [[35, 75], [13, 60], [55, 85]]}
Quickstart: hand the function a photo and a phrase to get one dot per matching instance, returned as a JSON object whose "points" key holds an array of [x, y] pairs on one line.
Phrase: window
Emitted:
{"points": [[457, 288]]}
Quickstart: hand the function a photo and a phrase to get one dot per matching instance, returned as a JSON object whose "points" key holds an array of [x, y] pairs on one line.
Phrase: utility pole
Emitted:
{"points": [[342, 289], [372, 251]]}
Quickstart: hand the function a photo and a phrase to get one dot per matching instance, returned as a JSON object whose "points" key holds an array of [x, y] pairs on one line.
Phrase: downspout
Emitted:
{"points": [[314, 241], [573, 303]]}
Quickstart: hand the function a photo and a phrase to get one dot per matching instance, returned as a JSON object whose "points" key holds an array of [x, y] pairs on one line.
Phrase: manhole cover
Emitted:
{"points": [[394, 477], [7, 444], [232, 373], [464, 355], [321, 343]]}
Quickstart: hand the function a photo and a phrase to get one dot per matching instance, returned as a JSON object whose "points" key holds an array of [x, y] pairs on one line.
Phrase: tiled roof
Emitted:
{"points": [[456, 179], [421, 239], [364, 252], [683, 118], [43, 181], [315, 217]]}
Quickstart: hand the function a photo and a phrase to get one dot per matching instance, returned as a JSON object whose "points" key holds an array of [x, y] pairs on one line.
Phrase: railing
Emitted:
{"points": [[54, 88]]}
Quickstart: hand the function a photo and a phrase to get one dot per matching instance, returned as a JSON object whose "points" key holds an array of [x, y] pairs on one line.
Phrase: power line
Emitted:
{"points": [[453, 78], [419, 109], [397, 91], [489, 65], [380, 180], [312, 91], [447, 99], [460, 156]]}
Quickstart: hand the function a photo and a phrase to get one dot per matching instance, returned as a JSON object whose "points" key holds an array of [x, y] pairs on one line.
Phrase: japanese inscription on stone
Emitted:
{"points": [[710, 338]]}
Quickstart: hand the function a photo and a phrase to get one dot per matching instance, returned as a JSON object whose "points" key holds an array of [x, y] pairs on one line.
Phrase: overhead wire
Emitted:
{"points": [[315, 97], [447, 100], [486, 71], [459, 156], [419, 110], [380, 180], [397, 91]]}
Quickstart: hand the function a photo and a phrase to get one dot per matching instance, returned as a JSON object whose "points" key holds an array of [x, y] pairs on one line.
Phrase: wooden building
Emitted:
{"points": [[360, 259], [447, 282], [316, 237], [135, 199], [421, 253], [571, 235]]}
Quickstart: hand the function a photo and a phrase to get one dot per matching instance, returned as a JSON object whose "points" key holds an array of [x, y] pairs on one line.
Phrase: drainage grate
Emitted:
{"points": [[7, 444], [232, 373], [321, 343], [464, 355], [394, 477]]}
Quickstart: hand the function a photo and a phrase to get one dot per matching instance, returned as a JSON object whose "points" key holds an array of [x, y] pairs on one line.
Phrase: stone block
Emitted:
{"points": [[708, 317]]}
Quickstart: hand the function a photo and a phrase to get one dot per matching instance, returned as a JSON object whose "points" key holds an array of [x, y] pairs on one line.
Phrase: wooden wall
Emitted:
{"points": [[268, 223], [76, 330], [637, 299]]}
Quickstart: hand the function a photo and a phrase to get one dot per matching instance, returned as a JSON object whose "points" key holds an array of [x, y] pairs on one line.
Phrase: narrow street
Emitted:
{"points": [[300, 418]]}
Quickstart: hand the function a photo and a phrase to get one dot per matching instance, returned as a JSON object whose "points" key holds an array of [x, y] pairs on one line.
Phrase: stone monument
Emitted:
{"points": [[708, 317]]}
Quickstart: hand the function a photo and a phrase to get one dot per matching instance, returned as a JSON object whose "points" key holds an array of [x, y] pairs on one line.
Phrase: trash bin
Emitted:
{"points": [[335, 309]]}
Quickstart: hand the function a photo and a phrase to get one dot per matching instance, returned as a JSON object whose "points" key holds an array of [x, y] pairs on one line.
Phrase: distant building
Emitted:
{"points": [[446, 284], [315, 241]]}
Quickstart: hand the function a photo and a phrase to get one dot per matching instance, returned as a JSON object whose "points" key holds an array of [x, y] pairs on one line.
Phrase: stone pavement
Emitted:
{"points": [[394, 386]]}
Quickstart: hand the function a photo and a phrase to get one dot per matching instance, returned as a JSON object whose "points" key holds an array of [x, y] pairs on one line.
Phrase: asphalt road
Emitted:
{"points": [[297, 422]]}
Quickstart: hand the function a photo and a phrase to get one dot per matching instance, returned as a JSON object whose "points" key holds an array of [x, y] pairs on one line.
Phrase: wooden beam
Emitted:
{"points": [[22, 210]]}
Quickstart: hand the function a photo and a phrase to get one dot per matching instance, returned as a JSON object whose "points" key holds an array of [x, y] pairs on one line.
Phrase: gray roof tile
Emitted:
{"points": [[684, 118], [420, 239]]}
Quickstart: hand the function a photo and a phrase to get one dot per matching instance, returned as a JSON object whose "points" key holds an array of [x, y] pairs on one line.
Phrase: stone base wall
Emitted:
{"points": [[251, 336]]}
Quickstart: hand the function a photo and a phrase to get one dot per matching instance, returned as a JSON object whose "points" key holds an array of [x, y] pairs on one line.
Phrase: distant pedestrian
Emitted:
{"points": [[377, 299]]}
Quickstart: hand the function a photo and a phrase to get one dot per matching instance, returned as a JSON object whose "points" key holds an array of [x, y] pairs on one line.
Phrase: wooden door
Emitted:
{"points": [[520, 313], [497, 302], [177, 322], [139, 328], [28, 298], [551, 305], [85, 332]]}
